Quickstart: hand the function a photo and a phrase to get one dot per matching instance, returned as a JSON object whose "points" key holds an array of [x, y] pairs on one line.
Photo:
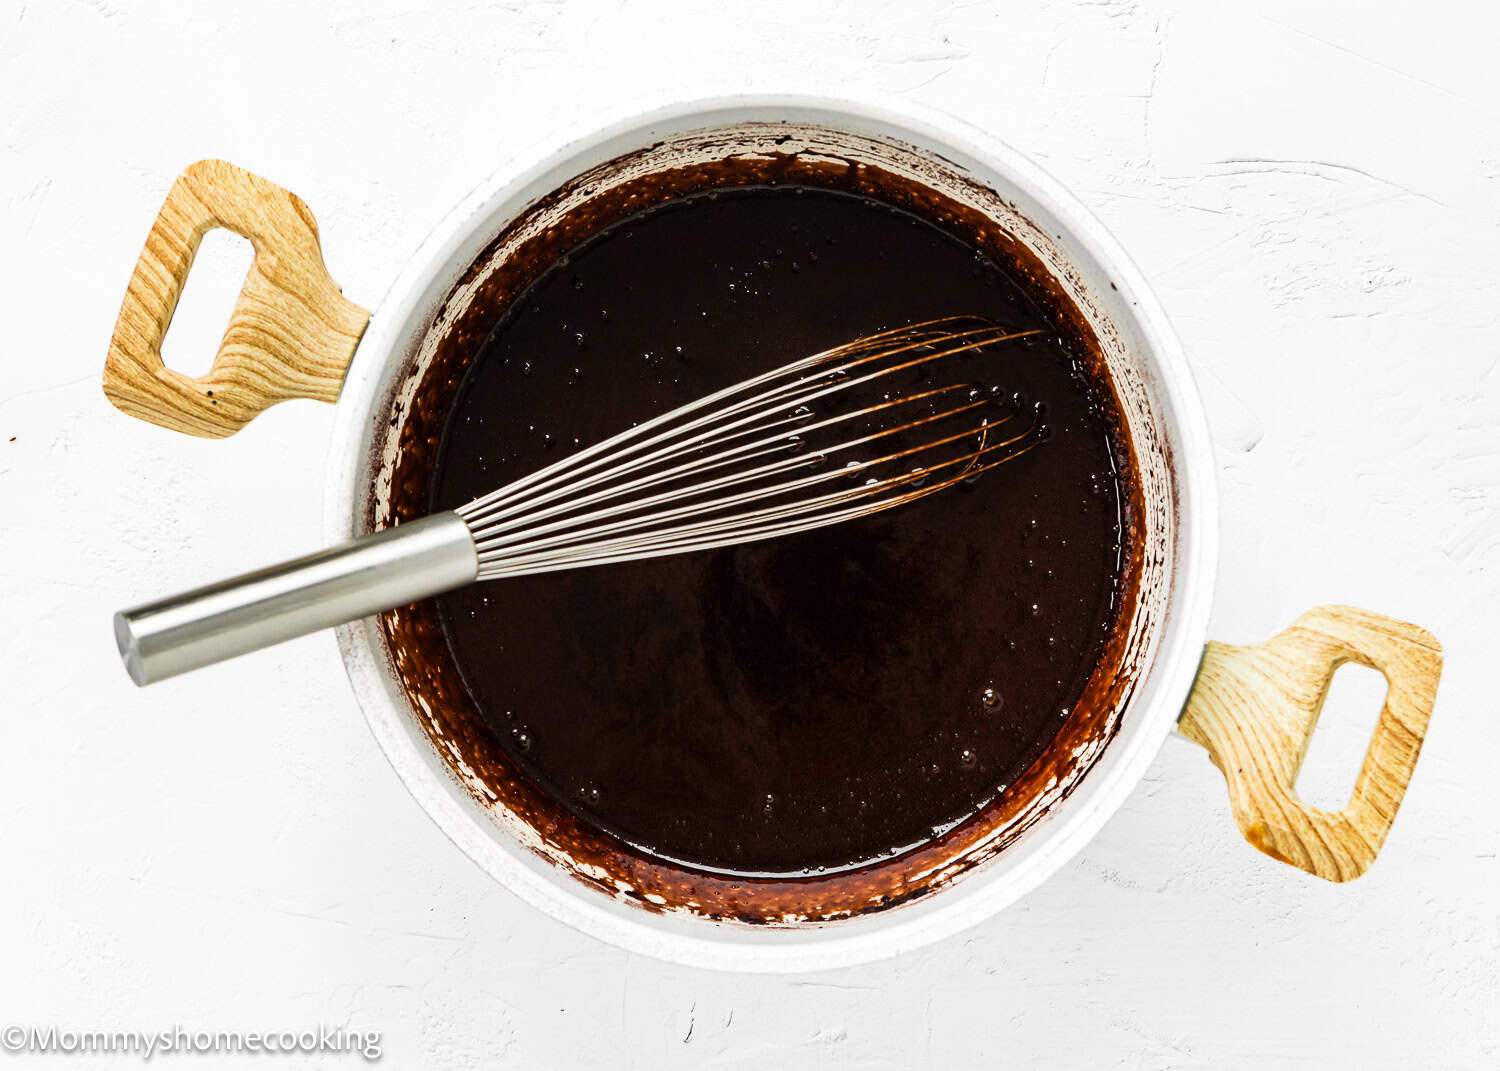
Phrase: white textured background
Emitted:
{"points": [[1314, 190]]}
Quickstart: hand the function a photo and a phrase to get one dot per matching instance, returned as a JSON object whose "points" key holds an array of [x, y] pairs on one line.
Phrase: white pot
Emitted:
{"points": [[1252, 706]]}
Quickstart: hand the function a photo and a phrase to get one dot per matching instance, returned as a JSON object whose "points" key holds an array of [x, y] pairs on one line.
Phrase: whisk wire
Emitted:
{"points": [[699, 477], [735, 478], [564, 479], [738, 456], [558, 553]]}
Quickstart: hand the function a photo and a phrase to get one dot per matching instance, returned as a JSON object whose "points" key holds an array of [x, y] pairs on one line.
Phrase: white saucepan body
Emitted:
{"points": [[1147, 350]]}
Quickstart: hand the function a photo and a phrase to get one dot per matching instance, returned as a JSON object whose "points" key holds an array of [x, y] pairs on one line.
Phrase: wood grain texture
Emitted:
{"points": [[291, 334], [1255, 709]]}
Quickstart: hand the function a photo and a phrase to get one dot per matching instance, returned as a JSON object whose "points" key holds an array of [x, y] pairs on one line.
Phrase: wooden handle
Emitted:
{"points": [[1255, 708], [291, 334]]}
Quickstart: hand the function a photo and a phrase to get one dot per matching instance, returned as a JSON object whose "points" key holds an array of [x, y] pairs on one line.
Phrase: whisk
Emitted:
{"points": [[853, 430]]}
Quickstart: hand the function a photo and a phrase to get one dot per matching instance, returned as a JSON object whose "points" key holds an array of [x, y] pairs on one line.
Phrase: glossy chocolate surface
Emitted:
{"points": [[809, 704]]}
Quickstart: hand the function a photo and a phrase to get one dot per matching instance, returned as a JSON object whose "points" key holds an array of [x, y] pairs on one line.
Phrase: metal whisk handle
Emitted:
{"points": [[377, 572]]}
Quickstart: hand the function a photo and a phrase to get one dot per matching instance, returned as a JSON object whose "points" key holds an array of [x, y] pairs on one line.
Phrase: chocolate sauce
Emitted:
{"points": [[808, 703]]}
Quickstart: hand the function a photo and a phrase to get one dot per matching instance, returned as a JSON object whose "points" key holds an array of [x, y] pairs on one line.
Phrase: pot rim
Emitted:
{"points": [[1152, 711]]}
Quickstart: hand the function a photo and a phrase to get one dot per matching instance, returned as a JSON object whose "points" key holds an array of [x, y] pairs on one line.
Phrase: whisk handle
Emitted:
{"points": [[377, 572]]}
